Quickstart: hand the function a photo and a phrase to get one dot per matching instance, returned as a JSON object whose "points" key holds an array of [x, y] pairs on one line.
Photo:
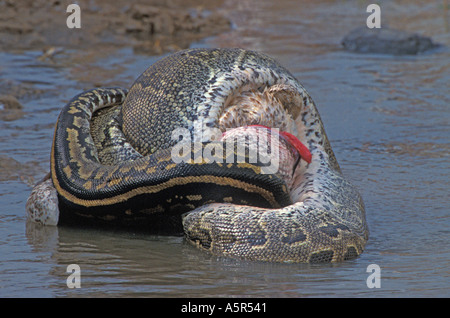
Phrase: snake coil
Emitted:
{"points": [[111, 161]]}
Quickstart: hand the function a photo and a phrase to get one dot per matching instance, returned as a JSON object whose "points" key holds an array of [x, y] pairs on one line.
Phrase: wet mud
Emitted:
{"points": [[154, 27]]}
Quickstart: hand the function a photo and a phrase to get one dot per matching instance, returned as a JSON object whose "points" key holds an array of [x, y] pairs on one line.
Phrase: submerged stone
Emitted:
{"points": [[386, 41]]}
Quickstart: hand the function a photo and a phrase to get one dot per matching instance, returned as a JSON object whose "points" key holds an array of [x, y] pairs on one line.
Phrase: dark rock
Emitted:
{"points": [[386, 41]]}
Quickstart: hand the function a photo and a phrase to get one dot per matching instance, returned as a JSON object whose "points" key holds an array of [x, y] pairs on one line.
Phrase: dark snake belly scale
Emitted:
{"points": [[125, 173]]}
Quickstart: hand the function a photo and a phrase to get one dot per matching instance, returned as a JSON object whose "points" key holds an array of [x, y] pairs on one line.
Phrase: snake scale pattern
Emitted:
{"points": [[111, 162]]}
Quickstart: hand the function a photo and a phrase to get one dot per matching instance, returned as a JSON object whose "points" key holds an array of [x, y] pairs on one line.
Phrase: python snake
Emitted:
{"points": [[112, 161]]}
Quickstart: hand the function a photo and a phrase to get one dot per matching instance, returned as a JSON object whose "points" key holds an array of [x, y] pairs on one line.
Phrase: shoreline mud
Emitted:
{"points": [[153, 27]]}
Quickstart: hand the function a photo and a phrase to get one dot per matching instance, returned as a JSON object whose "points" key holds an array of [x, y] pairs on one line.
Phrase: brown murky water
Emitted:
{"points": [[387, 117]]}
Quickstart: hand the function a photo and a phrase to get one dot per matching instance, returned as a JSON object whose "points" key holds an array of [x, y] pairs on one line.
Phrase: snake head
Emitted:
{"points": [[295, 143], [299, 150]]}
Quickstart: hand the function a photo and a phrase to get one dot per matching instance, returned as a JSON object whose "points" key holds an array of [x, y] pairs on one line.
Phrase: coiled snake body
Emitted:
{"points": [[112, 161]]}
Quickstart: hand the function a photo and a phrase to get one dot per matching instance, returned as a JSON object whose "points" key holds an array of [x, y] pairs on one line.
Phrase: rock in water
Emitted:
{"points": [[386, 41]]}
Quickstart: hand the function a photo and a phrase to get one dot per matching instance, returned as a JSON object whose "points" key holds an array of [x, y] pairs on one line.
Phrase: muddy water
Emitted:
{"points": [[387, 118]]}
